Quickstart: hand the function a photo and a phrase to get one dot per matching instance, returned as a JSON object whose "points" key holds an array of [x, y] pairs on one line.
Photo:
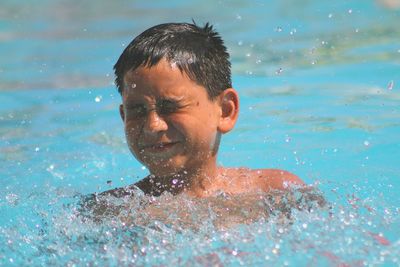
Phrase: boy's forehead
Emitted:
{"points": [[164, 77], [147, 81], [162, 71]]}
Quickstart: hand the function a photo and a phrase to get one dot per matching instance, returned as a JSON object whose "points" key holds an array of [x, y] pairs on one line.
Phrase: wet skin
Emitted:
{"points": [[174, 128]]}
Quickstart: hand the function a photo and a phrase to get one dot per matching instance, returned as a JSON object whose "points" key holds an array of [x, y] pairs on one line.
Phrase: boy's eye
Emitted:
{"points": [[166, 107], [136, 111]]}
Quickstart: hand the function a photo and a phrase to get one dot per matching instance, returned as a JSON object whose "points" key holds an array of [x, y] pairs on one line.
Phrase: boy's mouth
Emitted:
{"points": [[158, 147]]}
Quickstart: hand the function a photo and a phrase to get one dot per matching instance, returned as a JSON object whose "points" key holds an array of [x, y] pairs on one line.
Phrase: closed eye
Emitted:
{"points": [[136, 111], [165, 107]]}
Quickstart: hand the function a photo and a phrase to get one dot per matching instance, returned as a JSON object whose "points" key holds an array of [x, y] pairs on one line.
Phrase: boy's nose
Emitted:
{"points": [[154, 123]]}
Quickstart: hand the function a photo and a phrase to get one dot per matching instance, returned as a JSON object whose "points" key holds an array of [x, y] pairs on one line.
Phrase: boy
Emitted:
{"points": [[177, 101]]}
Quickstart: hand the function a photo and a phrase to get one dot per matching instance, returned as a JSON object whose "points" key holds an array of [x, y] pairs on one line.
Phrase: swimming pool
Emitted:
{"points": [[319, 86]]}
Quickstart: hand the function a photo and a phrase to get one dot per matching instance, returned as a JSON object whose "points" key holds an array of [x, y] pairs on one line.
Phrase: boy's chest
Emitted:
{"points": [[222, 212]]}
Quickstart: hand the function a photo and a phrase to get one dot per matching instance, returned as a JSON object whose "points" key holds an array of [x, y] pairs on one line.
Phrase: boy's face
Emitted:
{"points": [[170, 123]]}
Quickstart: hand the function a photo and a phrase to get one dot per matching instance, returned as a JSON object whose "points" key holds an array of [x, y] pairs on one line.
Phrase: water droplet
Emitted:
{"points": [[350, 11], [248, 55], [278, 71], [234, 252], [278, 29], [366, 143], [12, 199], [240, 43], [238, 17], [143, 167], [133, 85], [293, 31], [37, 149], [288, 139], [98, 98], [305, 225], [390, 85], [258, 61], [330, 15]]}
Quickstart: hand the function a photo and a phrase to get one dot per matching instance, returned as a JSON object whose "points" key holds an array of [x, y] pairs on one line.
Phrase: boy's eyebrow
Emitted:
{"points": [[176, 99], [172, 98]]}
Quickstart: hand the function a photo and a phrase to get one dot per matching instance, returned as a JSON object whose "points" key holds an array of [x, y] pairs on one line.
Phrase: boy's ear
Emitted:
{"points": [[229, 103], [122, 112]]}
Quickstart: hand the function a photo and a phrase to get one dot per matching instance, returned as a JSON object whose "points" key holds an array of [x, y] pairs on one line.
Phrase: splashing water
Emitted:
{"points": [[390, 85], [98, 98], [280, 229]]}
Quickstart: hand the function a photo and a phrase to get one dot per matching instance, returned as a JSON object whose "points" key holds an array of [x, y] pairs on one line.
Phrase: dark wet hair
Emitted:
{"points": [[199, 52]]}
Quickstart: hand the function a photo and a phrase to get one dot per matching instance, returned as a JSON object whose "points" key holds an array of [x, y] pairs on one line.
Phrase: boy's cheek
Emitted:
{"points": [[131, 127], [130, 135]]}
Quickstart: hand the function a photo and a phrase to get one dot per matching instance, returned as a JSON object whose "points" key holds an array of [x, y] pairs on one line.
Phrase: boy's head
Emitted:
{"points": [[199, 52], [177, 97]]}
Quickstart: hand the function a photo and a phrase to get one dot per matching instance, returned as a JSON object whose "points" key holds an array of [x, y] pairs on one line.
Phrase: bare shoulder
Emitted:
{"points": [[242, 180], [275, 179]]}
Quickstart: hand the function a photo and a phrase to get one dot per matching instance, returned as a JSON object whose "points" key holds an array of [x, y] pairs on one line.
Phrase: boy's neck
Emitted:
{"points": [[195, 183]]}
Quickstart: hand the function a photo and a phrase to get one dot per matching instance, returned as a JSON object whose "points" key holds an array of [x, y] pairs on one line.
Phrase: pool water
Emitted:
{"points": [[320, 91]]}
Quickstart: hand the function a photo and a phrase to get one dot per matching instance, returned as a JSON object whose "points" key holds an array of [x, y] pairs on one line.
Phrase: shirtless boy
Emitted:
{"points": [[177, 102]]}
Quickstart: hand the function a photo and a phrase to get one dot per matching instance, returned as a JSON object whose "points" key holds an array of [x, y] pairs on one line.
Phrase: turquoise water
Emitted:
{"points": [[320, 92]]}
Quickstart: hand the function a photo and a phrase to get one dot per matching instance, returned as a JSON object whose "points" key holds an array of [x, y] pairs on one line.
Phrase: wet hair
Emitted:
{"points": [[199, 52]]}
